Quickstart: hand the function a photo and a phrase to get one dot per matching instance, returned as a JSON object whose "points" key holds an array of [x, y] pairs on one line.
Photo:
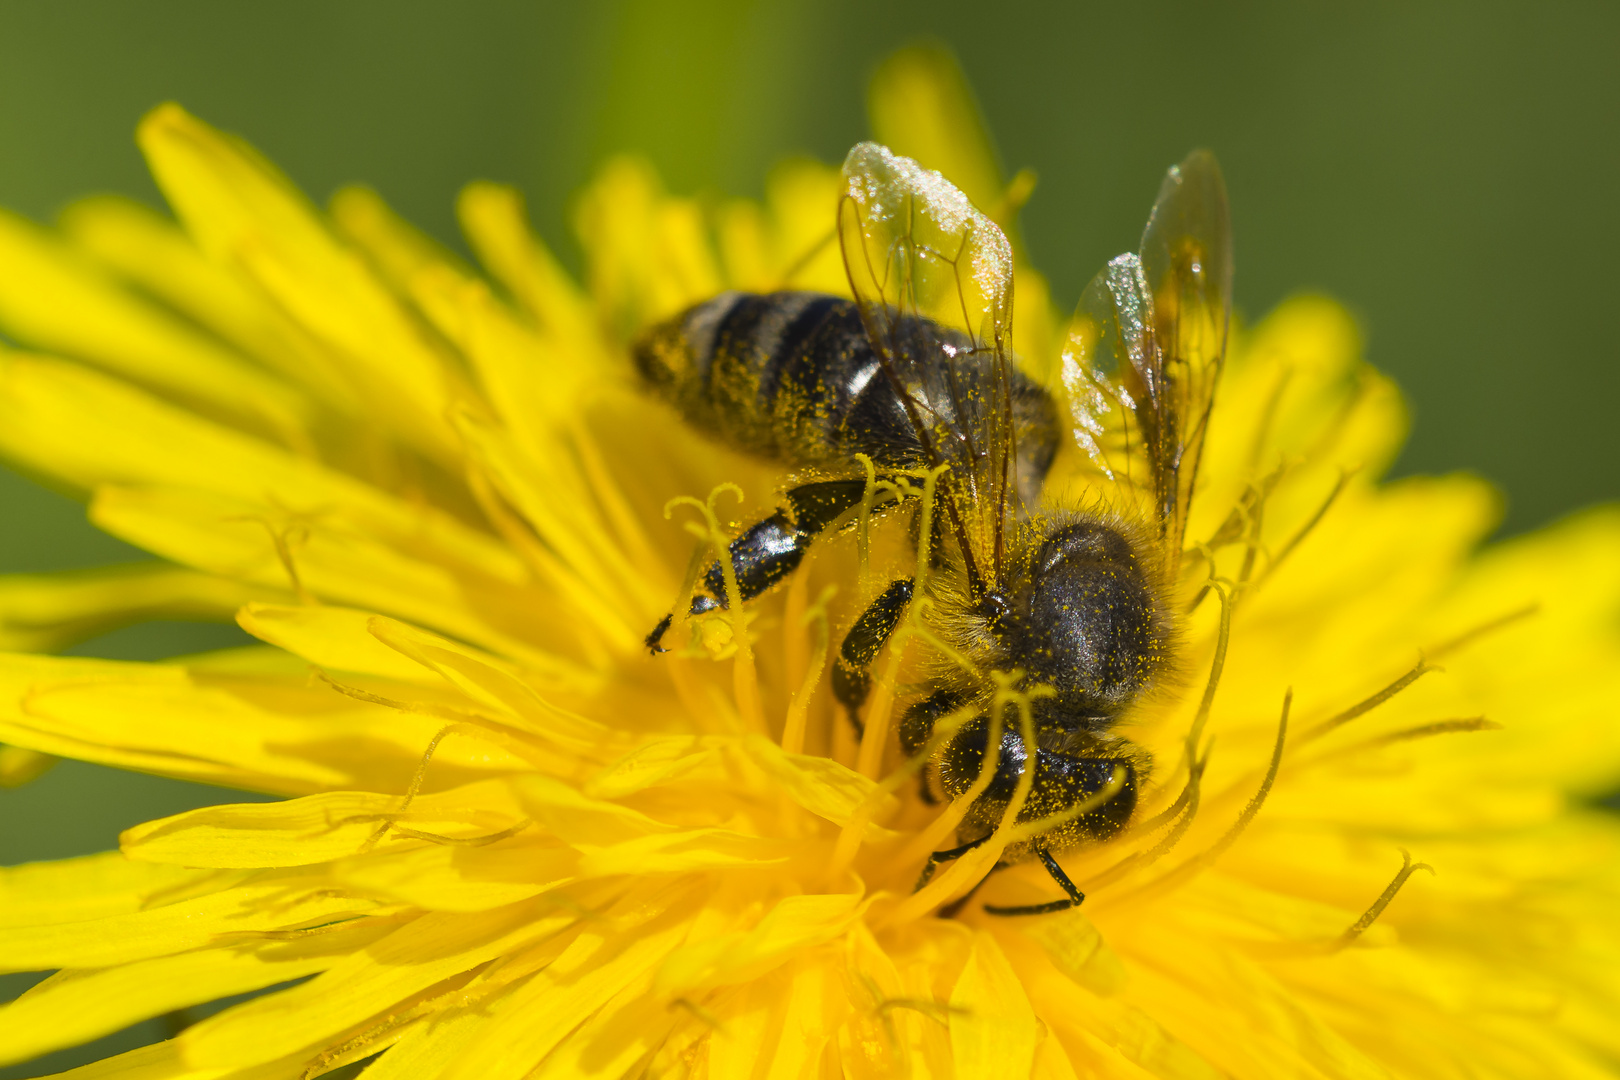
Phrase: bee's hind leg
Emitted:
{"points": [[764, 554], [653, 640], [770, 550], [1074, 900]]}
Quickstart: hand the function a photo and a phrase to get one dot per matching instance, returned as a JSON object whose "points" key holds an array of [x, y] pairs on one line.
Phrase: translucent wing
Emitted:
{"points": [[933, 279], [1146, 346]]}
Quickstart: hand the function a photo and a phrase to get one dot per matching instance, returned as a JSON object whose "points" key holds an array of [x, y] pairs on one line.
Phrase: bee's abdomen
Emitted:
{"points": [[787, 375]]}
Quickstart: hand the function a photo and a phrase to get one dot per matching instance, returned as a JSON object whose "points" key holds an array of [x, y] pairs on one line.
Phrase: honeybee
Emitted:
{"points": [[917, 374]]}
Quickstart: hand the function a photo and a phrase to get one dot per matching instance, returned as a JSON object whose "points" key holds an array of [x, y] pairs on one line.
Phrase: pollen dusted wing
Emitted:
{"points": [[1146, 345], [920, 258]]}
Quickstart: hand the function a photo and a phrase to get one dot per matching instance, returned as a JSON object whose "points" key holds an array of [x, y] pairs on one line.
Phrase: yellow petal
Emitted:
{"points": [[161, 724], [146, 248], [795, 924], [323, 556], [599, 964], [750, 1018], [89, 887], [993, 1028], [78, 426], [658, 761], [240, 209], [594, 573], [19, 765], [397, 249], [625, 1031], [72, 1007], [683, 852], [252, 731], [580, 820], [335, 638], [46, 612], [820, 785], [314, 829], [408, 961], [427, 1050], [802, 198], [449, 878], [270, 902], [159, 1061], [1075, 947], [648, 254], [51, 299], [493, 218], [503, 688]]}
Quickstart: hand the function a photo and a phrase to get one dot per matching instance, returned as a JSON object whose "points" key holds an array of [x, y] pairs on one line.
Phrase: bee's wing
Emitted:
{"points": [[1146, 346], [933, 279]]}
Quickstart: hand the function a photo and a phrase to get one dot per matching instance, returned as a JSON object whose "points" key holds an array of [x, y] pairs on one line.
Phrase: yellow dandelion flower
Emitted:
{"points": [[514, 845]]}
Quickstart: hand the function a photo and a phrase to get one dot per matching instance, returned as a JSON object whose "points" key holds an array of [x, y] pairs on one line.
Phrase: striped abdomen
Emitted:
{"points": [[791, 376]]}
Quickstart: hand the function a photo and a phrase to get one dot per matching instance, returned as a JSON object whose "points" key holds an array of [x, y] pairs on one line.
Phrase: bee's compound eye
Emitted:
{"points": [[992, 608]]}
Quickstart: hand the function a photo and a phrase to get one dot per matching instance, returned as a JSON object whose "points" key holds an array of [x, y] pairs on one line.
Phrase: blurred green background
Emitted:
{"points": [[1447, 169]]}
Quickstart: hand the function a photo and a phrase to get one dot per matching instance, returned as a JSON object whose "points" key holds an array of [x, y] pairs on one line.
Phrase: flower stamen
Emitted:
{"points": [[793, 727], [976, 864], [1217, 664], [282, 540], [1421, 731], [463, 841], [1367, 705], [1370, 916], [745, 679], [1268, 415], [1202, 861], [1306, 529], [702, 1014], [1490, 626], [1143, 859]]}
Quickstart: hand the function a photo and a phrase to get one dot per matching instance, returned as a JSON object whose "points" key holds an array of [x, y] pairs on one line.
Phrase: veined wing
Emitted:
{"points": [[1146, 346], [933, 279]]}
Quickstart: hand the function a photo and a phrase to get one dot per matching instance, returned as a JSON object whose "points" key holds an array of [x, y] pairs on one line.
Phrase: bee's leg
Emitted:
{"points": [[917, 727], [851, 679], [653, 639], [764, 554], [949, 910], [947, 855], [1074, 900], [770, 550]]}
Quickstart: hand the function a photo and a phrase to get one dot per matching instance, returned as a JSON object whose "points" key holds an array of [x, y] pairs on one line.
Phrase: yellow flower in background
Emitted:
{"points": [[514, 845]]}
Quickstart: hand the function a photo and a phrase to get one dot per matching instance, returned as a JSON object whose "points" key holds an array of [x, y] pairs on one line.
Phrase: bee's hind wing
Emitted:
{"points": [[933, 279], [1147, 343]]}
